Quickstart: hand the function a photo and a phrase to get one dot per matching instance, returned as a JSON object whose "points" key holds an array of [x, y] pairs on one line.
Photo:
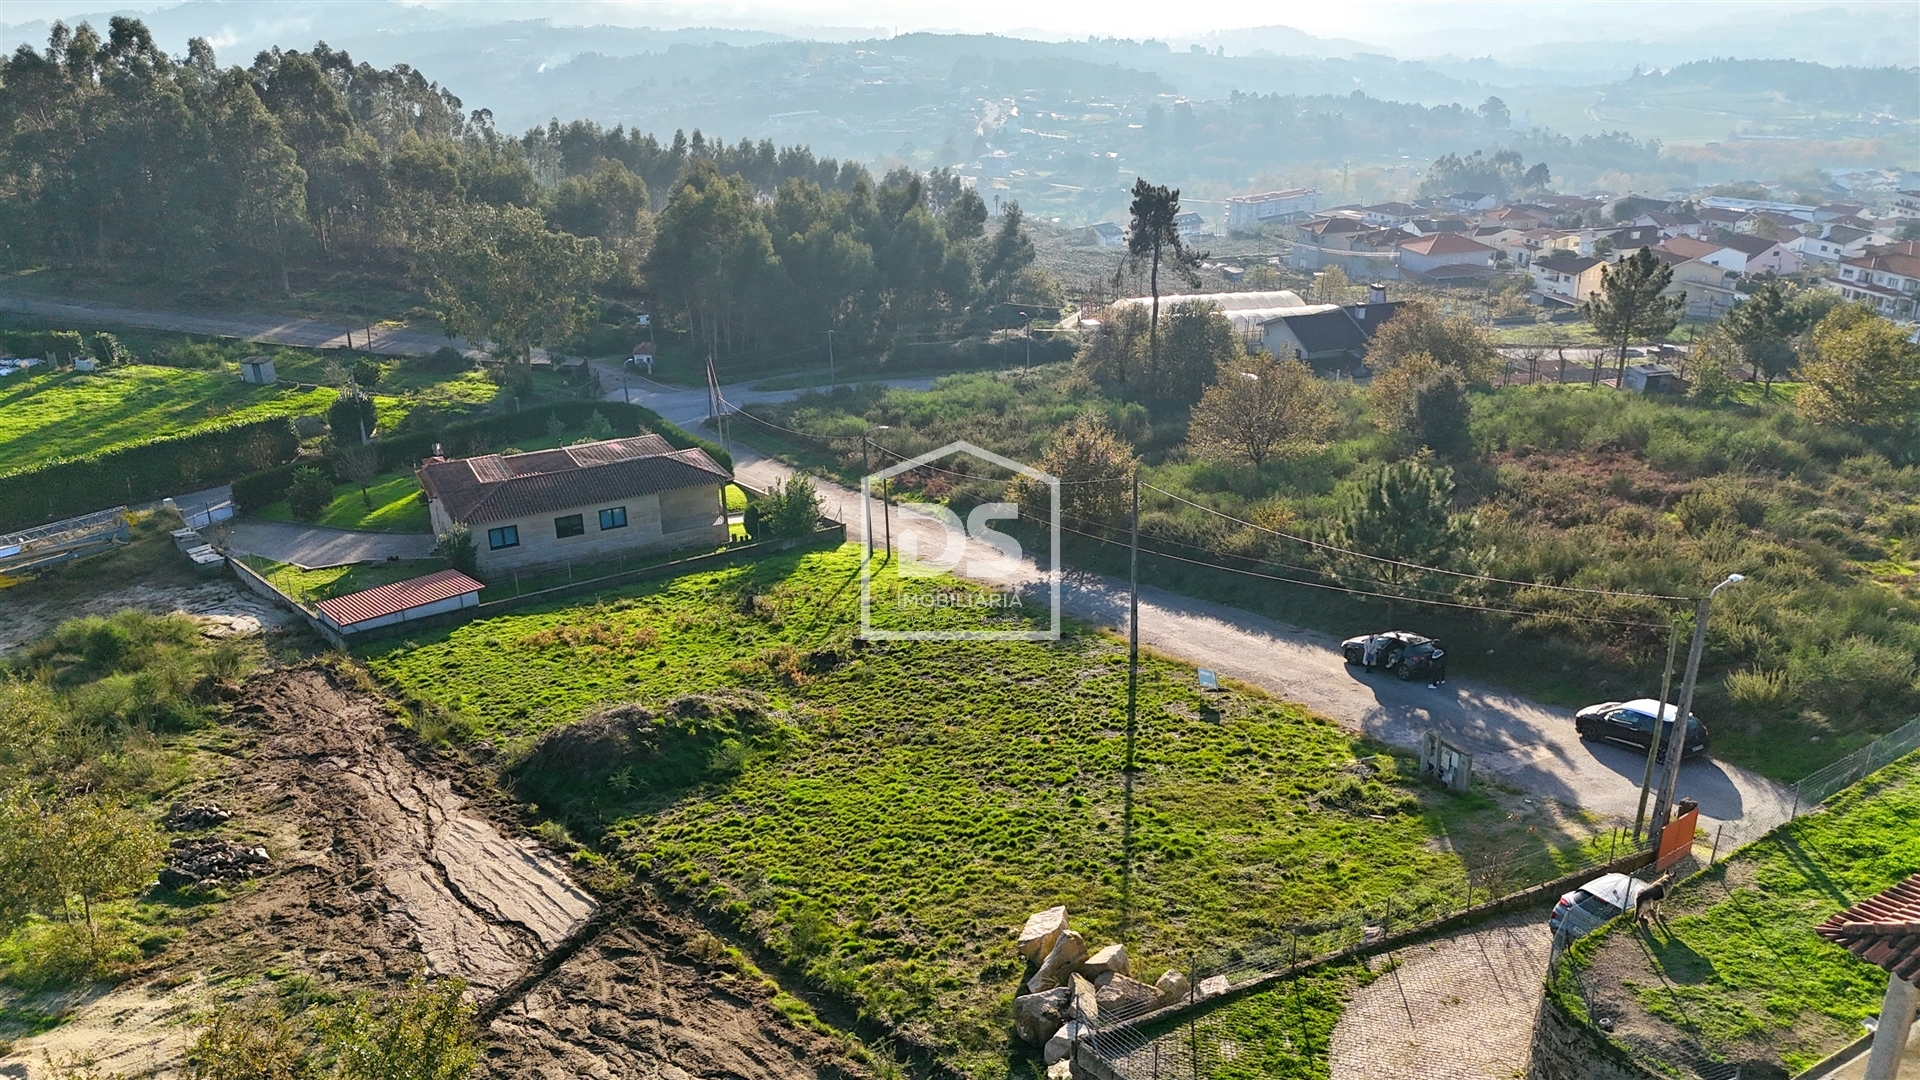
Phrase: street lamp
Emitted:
{"points": [[1677, 746]]}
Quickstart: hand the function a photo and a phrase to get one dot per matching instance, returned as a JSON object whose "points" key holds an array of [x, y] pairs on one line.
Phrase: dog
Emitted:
{"points": [[1646, 906]]}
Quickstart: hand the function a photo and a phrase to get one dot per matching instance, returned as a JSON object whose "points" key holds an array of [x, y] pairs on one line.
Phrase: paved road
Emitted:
{"points": [[272, 329], [1522, 742], [311, 546]]}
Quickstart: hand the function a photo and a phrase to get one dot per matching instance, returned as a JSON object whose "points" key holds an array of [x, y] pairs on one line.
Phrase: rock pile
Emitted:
{"points": [[1071, 985], [192, 817], [207, 862]]}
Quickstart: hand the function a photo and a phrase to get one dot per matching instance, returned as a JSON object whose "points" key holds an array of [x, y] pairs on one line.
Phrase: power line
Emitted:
{"points": [[1417, 566]]}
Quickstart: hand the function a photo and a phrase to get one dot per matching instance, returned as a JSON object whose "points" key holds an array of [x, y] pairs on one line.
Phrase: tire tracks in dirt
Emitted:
{"points": [[389, 858]]}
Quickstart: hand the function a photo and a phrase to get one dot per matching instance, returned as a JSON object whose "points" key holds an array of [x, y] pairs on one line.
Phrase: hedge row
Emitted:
{"points": [[258, 490], [144, 471]]}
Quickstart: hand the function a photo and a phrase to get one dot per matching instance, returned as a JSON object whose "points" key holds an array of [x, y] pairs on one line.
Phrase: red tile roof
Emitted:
{"points": [[496, 487], [1883, 930], [399, 596], [1446, 243]]}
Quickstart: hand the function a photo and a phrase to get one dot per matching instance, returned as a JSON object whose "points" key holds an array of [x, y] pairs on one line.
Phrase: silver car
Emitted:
{"points": [[1582, 911]]}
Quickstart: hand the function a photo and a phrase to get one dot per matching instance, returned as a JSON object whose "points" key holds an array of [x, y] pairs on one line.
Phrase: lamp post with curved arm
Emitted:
{"points": [[1676, 748]]}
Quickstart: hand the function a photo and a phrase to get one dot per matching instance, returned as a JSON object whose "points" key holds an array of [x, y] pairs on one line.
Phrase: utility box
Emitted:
{"points": [[258, 369], [1652, 379], [1444, 763]]}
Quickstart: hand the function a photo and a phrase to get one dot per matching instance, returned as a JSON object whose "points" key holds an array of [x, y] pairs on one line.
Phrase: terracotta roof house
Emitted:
{"points": [[401, 601], [1446, 249], [1755, 254], [1890, 282], [1884, 931], [1709, 296], [579, 503]]}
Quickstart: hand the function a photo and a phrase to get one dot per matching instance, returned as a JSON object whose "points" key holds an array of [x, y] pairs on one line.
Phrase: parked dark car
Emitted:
{"points": [[1405, 653], [1631, 723]]}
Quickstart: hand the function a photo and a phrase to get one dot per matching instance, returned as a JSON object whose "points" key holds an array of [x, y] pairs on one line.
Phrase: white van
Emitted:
{"points": [[1581, 911]]}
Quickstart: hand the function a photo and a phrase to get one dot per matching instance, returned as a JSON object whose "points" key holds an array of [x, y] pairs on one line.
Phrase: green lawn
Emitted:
{"points": [[395, 506], [1740, 969], [71, 414], [311, 586], [884, 815]]}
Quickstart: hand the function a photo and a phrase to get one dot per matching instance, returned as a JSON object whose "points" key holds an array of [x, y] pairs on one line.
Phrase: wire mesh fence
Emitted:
{"points": [[1142, 1037], [1146, 1038]]}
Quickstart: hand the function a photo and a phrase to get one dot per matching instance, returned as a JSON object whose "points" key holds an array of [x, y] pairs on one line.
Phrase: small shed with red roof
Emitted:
{"points": [[402, 601]]}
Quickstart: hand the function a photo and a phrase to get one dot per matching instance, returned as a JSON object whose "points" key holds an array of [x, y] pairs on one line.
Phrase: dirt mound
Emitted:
{"points": [[628, 753]]}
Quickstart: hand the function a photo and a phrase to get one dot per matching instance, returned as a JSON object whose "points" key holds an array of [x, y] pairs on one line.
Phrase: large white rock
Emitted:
{"points": [[1086, 1003], [1111, 958], [1114, 991], [1069, 949], [1061, 1070], [1171, 985], [1213, 984], [1036, 1016], [1042, 930], [1060, 1047]]}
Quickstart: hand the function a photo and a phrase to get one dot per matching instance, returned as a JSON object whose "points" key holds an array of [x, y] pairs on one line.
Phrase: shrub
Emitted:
{"points": [[309, 492], [1844, 679], [247, 1041], [1761, 691], [424, 1032], [456, 546], [792, 508], [444, 358], [350, 417], [259, 490], [367, 372]]}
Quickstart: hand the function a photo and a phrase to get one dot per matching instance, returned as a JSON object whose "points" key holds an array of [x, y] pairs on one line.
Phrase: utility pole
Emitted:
{"points": [[832, 382], [1663, 801], [1133, 620], [1653, 747]]}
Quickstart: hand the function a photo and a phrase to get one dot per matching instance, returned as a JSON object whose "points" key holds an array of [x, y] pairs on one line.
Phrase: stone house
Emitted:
{"points": [[583, 503]]}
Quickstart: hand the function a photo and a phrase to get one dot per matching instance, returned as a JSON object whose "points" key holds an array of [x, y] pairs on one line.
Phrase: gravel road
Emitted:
{"points": [[272, 329]]}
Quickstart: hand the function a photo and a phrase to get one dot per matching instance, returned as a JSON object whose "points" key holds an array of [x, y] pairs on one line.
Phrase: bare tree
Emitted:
{"points": [[358, 465]]}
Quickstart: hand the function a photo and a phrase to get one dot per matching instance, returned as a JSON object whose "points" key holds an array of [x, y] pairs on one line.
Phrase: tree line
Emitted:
{"points": [[310, 167]]}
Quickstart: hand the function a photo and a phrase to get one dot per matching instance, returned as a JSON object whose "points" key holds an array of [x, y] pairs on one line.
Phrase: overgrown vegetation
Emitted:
{"points": [[87, 715], [1736, 971], [881, 816], [1567, 486]]}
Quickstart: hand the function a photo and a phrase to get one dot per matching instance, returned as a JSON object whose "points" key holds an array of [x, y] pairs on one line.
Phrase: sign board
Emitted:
{"points": [[1444, 763]]}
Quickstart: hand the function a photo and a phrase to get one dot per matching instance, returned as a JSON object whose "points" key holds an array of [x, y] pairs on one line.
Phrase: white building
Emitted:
{"points": [[1270, 208]]}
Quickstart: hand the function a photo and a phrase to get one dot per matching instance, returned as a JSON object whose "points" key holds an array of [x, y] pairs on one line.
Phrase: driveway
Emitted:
{"points": [[313, 546], [272, 329]]}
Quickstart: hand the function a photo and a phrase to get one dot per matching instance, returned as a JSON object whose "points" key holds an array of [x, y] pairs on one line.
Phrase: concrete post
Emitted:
{"points": [[1890, 1038]]}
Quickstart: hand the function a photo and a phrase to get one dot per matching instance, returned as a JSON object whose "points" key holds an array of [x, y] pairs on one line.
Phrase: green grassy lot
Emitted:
{"points": [[70, 414], [395, 499], [884, 815], [1738, 969], [312, 586]]}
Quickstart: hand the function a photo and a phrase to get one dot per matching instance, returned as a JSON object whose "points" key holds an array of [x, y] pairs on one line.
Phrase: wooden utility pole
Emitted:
{"points": [[1133, 622]]}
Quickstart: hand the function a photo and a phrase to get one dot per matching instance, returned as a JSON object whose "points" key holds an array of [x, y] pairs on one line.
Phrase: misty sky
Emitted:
{"points": [[1407, 27]]}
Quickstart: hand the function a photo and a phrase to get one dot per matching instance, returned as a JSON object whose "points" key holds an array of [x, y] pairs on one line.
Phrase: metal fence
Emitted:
{"points": [[1198, 1044], [1202, 1044], [1816, 786]]}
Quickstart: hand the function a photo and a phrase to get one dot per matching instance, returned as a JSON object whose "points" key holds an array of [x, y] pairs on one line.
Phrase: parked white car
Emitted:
{"points": [[1582, 911]]}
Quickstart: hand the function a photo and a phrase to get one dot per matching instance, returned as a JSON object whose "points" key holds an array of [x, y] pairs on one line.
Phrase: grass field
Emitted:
{"points": [[1739, 969], [71, 414], [396, 506], [884, 815]]}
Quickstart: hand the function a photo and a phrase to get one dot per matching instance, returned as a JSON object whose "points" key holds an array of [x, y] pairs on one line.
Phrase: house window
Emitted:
{"points": [[615, 518], [571, 525], [505, 536]]}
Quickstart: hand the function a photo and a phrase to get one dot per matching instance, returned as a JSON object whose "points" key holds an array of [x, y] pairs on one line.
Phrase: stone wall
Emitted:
{"points": [[1566, 1049]]}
